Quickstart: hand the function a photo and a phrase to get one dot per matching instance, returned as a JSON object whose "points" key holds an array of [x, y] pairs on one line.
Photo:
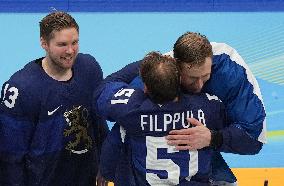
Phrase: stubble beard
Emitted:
{"points": [[61, 64]]}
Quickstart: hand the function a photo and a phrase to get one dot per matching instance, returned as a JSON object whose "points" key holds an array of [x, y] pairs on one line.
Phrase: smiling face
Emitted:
{"points": [[194, 77], [62, 48]]}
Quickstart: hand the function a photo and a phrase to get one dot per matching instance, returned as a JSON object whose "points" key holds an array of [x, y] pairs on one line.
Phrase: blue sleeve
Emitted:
{"points": [[129, 75], [92, 69], [246, 110], [16, 129], [115, 164], [241, 96], [101, 132], [126, 74], [236, 140], [110, 153], [104, 101], [230, 133], [246, 117], [95, 72]]}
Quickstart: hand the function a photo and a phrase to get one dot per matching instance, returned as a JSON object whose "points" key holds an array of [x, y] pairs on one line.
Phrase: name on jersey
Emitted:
{"points": [[165, 122]]}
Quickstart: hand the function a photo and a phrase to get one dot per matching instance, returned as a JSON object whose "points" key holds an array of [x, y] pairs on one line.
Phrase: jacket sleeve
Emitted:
{"points": [[246, 115], [241, 96], [238, 141]]}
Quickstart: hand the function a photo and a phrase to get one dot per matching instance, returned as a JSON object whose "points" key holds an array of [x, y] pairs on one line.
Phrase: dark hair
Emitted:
{"points": [[56, 21], [192, 48], [161, 77]]}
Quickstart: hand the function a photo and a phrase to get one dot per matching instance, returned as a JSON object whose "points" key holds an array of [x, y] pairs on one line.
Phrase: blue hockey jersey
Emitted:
{"points": [[146, 124], [48, 135]]}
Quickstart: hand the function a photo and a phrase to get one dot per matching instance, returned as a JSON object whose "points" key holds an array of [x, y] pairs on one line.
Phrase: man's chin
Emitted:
{"points": [[191, 91], [68, 64], [197, 91]]}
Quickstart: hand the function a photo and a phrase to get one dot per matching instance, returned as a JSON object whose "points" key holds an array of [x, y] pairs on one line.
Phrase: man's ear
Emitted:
{"points": [[43, 43]]}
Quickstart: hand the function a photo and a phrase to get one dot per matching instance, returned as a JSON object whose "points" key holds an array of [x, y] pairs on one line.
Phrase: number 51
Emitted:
{"points": [[153, 163]]}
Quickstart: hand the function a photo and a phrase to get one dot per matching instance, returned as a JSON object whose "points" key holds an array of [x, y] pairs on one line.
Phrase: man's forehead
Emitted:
{"points": [[198, 70], [197, 74], [65, 35]]}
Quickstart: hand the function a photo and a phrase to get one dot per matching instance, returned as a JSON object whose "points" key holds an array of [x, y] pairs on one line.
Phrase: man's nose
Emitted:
{"points": [[199, 83], [69, 49]]}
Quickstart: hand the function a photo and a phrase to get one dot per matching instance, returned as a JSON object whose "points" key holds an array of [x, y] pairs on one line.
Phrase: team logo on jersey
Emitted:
{"points": [[78, 130]]}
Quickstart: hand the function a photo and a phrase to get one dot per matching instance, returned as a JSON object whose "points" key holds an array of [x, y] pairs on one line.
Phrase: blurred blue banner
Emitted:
{"points": [[141, 5]]}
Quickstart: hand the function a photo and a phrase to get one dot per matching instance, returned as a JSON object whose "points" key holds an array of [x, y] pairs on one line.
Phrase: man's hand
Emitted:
{"points": [[100, 181], [192, 138]]}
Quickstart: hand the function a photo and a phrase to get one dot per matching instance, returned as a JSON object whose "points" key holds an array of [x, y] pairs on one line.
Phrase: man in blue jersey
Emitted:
{"points": [[218, 69], [147, 116], [48, 135]]}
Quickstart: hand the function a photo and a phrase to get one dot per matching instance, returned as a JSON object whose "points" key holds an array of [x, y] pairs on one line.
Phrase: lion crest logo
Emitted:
{"points": [[78, 130]]}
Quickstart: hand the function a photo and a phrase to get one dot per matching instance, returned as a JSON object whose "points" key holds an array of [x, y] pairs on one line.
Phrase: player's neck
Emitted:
{"points": [[56, 72]]}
